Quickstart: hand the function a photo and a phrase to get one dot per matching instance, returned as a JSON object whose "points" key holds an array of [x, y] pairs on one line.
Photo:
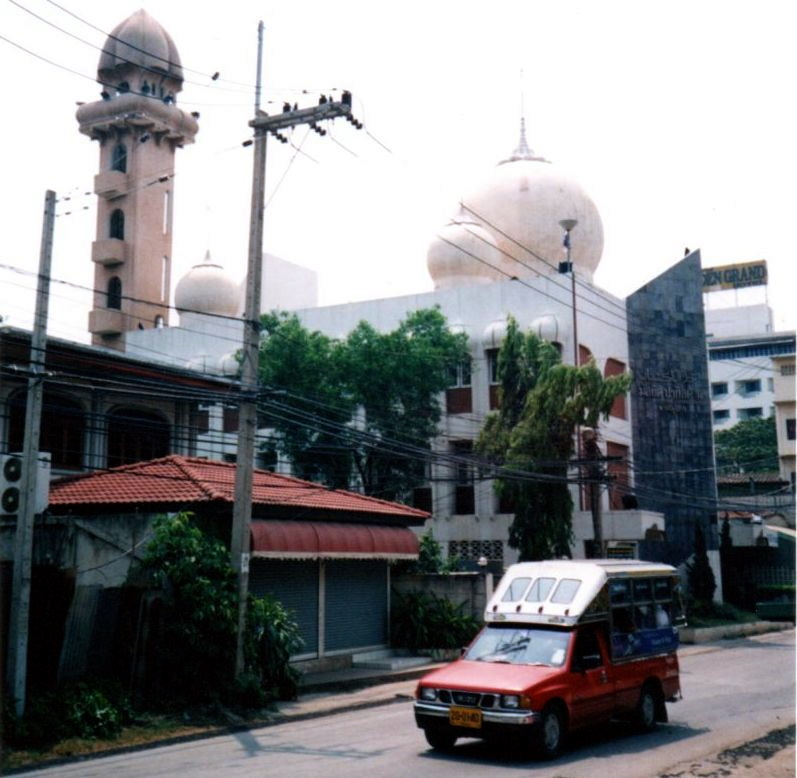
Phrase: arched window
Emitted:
{"points": [[63, 428], [136, 436], [119, 158], [114, 296], [159, 322], [616, 367], [584, 355], [117, 224]]}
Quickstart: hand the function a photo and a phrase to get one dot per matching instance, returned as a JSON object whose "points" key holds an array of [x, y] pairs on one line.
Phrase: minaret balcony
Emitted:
{"points": [[109, 252], [106, 321], [110, 184]]}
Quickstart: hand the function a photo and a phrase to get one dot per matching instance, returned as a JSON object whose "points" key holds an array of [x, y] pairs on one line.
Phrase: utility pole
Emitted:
{"points": [[592, 454], [263, 124], [23, 537]]}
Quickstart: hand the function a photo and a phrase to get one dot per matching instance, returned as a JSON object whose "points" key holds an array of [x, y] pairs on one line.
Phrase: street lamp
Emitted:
{"points": [[567, 267]]}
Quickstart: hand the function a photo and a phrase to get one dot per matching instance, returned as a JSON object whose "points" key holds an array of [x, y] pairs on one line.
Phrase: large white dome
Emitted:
{"points": [[521, 204], [206, 288]]}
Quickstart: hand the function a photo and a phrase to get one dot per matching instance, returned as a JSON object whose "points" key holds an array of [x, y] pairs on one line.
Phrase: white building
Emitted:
{"points": [[742, 349], [785, 415]]}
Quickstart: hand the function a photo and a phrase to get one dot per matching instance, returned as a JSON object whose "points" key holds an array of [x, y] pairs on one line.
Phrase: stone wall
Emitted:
{"points": [[472, 588], [671, 408]]}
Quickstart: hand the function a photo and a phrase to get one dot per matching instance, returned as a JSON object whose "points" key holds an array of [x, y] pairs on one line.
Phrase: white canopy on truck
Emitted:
{"points": [[567, 591]]}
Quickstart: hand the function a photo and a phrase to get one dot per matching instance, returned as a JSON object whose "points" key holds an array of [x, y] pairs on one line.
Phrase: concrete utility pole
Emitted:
{"points": [[592, 453], [23, 537], [247, 423]]}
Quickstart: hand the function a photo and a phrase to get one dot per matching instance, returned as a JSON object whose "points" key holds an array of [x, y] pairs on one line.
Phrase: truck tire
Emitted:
{"points": [[551, 733], [440, 739], [645, 716]]}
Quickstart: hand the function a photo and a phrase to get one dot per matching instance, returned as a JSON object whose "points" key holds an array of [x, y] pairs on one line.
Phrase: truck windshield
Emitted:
{"points": [[519, 646]]}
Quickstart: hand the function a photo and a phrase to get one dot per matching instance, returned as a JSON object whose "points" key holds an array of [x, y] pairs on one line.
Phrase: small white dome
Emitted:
{"points": [[548, 328], [494, 334], [463, 253], [229, 365], [207, 288]]}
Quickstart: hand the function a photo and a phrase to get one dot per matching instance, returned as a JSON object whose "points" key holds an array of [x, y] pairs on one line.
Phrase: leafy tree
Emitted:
{"points": [[355, 405], [198, 631], [531, 437], [749, 446], [430, 557]]}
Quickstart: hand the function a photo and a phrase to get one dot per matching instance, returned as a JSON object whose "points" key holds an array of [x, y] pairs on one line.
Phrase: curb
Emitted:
{"points": [[708, 634]]}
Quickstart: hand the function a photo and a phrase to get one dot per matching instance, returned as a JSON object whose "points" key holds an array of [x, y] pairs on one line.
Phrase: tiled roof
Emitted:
{"points": [[183, 481]]}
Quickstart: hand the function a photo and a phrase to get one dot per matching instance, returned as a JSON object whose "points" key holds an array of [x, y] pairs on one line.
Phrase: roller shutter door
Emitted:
{"points": [[295, 585], [356, 604]]}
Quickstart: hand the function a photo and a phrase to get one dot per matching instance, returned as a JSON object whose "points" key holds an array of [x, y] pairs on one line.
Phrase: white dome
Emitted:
{"points": [[229, 365], [522, 203], [494, 334], [206, 288], [548, 328], [463, 253]]}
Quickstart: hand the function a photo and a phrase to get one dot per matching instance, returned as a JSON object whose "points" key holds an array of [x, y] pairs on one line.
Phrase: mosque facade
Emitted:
{"points": [[501, 254]]}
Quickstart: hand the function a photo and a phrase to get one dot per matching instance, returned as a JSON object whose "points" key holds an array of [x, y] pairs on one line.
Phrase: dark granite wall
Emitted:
{"points": [[671, 408]]}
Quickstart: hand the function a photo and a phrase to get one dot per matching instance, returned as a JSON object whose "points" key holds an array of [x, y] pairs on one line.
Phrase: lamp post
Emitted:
{"points": [[567, 267]]}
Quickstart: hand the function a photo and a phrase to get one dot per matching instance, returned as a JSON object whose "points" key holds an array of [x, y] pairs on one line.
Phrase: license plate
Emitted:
{"points": [[465, 717]]}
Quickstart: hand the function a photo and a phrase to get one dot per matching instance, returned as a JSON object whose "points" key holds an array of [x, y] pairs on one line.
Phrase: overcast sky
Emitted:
{"points": [[677, 118]]}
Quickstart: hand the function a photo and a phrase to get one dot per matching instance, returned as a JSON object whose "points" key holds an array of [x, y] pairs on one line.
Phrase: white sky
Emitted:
{"points": [[677, 118]]}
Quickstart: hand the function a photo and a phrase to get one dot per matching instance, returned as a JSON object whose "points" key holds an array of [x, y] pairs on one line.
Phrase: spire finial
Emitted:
{"points": [[522, 150]]}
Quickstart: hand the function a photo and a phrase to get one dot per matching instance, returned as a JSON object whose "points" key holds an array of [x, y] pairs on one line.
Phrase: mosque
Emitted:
{"points": [[500, 254]]}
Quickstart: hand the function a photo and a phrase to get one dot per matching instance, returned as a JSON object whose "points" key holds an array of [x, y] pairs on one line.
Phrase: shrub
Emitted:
{"points": [[86, 710], [198, 640], [421, 619], [272, 638], [701, 577]]}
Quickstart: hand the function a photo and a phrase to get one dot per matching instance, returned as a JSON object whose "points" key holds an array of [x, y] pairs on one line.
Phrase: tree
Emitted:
{"points": [[749, 446], [198, 628], [531, 437], [700, 575], [367, 405]]}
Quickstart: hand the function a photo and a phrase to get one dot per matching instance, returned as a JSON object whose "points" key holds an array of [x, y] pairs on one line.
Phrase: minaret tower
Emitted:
{"points": [[139, 127]]}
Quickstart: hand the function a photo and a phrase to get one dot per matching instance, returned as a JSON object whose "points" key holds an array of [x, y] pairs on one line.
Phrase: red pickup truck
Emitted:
{"points": [[566, 644]]}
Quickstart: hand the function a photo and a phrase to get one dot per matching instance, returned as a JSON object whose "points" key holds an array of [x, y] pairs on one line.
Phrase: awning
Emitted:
{"points": [[331, 540]]}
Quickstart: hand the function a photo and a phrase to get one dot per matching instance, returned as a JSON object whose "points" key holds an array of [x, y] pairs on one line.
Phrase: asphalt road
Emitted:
{"points": [[734, 692]]}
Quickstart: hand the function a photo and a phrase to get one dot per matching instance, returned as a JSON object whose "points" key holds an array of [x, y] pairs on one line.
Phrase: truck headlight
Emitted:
{"points": [[428, 693], [510, 701]]}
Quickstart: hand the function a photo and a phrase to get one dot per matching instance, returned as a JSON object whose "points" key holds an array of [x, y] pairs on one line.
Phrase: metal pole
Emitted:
{"points": [[23, 538], [247, 422]]}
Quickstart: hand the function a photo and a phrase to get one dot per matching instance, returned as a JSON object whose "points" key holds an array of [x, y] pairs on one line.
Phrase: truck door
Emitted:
{"points": [[591, 679]]}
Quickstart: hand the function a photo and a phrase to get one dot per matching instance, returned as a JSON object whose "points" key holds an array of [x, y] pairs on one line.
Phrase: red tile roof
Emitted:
{"points": [[182, 481]]}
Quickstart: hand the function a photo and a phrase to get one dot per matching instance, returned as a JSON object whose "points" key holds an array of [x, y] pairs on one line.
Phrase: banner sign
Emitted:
{"points": [[735, 276]]}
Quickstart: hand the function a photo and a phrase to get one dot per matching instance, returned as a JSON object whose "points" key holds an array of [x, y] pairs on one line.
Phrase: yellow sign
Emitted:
{"points": [[735, 276]]}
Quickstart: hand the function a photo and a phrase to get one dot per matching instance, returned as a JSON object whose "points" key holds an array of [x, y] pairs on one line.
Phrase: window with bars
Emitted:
{"points": [[473, 550]]}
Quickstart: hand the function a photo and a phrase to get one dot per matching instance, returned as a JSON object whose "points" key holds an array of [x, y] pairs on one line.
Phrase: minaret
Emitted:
{"points": [[139, 127]]}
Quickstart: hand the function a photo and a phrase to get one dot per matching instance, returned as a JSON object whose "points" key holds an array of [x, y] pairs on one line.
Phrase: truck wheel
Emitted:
{"points": [[551, 732], [440, 739], [645, 715]]}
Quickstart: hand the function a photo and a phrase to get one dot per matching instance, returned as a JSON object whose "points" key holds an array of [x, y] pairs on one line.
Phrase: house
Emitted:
{"points": [[325, 554]]}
